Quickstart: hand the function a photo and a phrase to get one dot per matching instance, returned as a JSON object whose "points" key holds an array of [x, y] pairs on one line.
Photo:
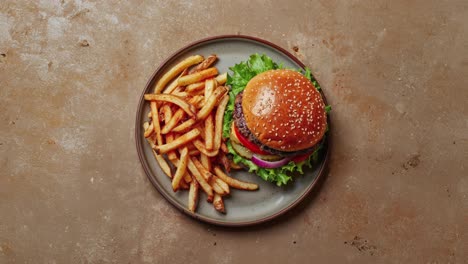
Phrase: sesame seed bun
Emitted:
{"points": [[284, 111]]}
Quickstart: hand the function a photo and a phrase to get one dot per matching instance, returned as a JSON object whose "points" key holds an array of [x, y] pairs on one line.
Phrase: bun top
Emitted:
{"points": [[284, 110]]}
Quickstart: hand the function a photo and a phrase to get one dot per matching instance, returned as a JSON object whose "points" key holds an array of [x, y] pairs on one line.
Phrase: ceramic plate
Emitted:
{"points": [[243, 207]]}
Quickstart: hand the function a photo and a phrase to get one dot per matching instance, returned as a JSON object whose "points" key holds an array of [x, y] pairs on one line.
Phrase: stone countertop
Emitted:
{"points": [[72, 189]]}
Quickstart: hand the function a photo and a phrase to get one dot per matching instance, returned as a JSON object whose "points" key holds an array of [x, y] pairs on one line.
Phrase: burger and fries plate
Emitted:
{"points": [[242, 207]]}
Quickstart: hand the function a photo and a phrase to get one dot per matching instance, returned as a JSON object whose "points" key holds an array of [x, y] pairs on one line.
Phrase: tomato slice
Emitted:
{"points": [[300, 158], [251, 146]]}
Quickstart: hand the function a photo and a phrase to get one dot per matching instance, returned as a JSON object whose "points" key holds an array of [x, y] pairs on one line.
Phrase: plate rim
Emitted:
{"points": [[160, 188]]}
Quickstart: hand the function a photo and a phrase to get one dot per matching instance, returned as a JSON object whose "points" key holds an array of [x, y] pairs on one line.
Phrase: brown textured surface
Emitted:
{"points": [[284, 111], [71, 187]]}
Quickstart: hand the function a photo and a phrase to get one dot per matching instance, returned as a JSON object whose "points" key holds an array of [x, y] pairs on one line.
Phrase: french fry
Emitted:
{"points": [[218, 203], [209, 132], [208, 176], [160, 159], [181, 169], [222, 184], [188, 108], [194, 87], [210, 103], [222, 78], [146, 125], [193, 196], [177, 90], [166, 111], [198, 101], [174, 71], [174, 84], [216, 188], [197, 76], [148, 130], [187, 177], [199, 178], [181, 94], [204, 64], [182, 140], [194, 152], [219, 116], [171, 155], [201, 147], [201, 127], [168, 127], [210, 86], [234, 183], [156, 126], [206, 162], [163, 164], [203, 171], [223, 160], [179, 115], [199, 92], [184, 126]]}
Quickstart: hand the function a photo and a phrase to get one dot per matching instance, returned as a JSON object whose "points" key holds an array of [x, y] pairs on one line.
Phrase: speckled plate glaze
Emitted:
{"points": [[243, 207]]}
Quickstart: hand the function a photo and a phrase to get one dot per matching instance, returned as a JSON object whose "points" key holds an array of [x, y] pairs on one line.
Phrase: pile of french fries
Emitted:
{"points": [[185, 131]]}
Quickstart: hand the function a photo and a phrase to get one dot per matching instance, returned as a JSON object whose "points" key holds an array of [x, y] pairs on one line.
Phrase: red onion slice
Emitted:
{"points": [[270, 164]]}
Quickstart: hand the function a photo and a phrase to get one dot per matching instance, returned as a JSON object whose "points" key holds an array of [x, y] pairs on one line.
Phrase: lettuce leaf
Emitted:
{"points": [[242, 73], [308, 74]]}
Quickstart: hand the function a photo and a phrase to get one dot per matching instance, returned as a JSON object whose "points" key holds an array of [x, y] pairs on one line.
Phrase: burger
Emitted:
{"points": [[277, 119]]}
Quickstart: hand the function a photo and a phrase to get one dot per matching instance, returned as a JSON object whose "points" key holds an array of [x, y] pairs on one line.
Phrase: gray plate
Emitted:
{"points": [[243, 207]]}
